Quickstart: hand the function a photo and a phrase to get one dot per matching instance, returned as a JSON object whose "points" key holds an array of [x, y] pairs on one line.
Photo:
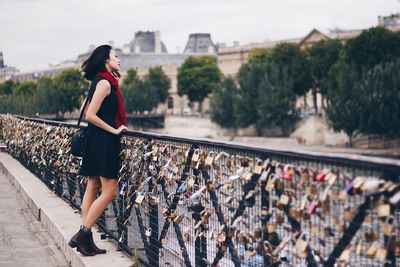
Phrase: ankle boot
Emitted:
{"points": [[72, 242], [95, 248], [83, 243]]}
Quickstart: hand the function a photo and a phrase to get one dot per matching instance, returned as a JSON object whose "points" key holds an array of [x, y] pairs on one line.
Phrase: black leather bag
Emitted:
{"points": [[78, 138]]}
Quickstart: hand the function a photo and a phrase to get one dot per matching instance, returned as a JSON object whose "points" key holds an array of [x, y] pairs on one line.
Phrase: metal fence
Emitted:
{"points": [[193, 202]]}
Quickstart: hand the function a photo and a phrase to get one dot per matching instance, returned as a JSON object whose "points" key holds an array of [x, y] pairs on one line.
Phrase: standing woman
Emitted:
{"points": [[106, 120]]}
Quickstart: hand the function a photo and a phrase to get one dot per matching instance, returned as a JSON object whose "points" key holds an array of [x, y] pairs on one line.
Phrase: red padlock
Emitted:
{"points": [[287, 173], [313, 207], [320, 177]]}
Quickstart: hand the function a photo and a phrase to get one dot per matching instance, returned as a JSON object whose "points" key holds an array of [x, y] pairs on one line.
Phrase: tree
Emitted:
{"points": [[160, 82], [45, 99], [222, 104], [139, 97], [198, 77], [276, 102], [71, 87], [380, 99], [25, 88], [322, 56], [6, 88], [344, 106], [249, 79], [297, 64], [131, 75], [372, 47]]}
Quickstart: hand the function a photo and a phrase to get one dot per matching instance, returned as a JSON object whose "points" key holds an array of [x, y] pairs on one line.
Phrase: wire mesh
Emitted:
{"points": [[186, 202]]}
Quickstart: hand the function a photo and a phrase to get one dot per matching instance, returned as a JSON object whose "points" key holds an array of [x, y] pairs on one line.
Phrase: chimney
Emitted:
{"points": [[126, 49], [91, 47], [157, 42], [111, 43], [235, 44], [137, 49], [178, 49]]}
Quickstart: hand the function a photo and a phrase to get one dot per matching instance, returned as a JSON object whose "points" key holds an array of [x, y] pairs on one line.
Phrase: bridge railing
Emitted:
{"points": [[198, 202]]}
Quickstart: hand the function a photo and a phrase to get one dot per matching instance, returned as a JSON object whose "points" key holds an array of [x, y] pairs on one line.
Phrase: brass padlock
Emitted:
{"points": [[389, 225], [210, 159], [371, 251], [178, 219], [381, 254], [383, 210], [301, 244], [196, 155], [284, 199], [259, 167]]}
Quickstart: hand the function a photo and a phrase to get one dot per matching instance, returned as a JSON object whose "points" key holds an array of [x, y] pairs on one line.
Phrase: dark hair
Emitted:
{"points": [[96, 62]]}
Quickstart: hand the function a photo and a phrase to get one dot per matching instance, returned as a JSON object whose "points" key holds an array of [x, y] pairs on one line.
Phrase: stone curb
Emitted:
{"points": [[58, 218]]}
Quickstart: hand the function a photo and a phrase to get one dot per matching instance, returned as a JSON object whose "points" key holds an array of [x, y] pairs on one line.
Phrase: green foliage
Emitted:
{"points": [[222, 104], [131, 75], [265, 96], [260, 55], [161, 83], [45, 99], [322, 56], [6, 88], [344, 94], [25, 88], [145, 94], [276, 102], [291, 57], [249, 78], [372, 47], [381, 99], [198, 77], [71, 87]]}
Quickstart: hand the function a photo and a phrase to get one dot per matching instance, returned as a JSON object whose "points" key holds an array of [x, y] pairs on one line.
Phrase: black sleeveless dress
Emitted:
{"points": [[101, 148]]}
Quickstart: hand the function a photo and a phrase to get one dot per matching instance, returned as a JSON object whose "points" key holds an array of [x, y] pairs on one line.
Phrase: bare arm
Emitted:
{"points": [[103, 89]]}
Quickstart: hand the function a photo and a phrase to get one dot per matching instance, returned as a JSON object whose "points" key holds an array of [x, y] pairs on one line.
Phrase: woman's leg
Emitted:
{"points": [[92, 188], [108, 193]]}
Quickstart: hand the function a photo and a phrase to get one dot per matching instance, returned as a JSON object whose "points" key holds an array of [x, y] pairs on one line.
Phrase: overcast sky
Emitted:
{"points": [[34, 33]]}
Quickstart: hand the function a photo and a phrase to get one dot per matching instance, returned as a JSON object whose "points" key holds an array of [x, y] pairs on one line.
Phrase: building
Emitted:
{"points": [[6, 73]]}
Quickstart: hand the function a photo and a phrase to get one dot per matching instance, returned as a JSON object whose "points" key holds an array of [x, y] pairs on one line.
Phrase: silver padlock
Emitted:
{"points": [[148, 232]]}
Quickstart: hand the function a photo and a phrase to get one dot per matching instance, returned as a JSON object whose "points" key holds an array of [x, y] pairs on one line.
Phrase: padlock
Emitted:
{"points": [[381, 254], [313, 207], [383, 210], [284, 199], [139, 199], [348, 214], [389, 226], [320, 177], [314, 230], [305, 176], [210, 159], [301, 244], [287, 172], [259, 167], [331, 178], [196, 155], [148, 232], [271, 228], [178, 219]]}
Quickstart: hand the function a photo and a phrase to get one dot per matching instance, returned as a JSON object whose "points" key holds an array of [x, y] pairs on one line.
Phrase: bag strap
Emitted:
{"points": [[83, 109]]}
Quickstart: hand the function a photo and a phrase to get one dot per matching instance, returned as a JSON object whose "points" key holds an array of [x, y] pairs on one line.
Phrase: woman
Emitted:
{"points": [[106, 120]]}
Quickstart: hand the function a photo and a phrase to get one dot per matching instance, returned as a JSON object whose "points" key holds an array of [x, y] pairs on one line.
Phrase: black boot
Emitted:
{"points": [[95, 248], [72, 242], [83, 243]]}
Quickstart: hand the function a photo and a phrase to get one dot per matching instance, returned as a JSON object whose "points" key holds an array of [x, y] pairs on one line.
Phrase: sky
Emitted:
{"points": [[36, 33]]}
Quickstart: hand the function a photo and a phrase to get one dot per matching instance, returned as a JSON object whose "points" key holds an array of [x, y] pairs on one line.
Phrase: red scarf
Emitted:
{"points": [[120, 117]]}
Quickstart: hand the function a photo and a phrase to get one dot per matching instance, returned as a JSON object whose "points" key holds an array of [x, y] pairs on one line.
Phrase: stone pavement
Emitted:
{"points": [[23, 240]]}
